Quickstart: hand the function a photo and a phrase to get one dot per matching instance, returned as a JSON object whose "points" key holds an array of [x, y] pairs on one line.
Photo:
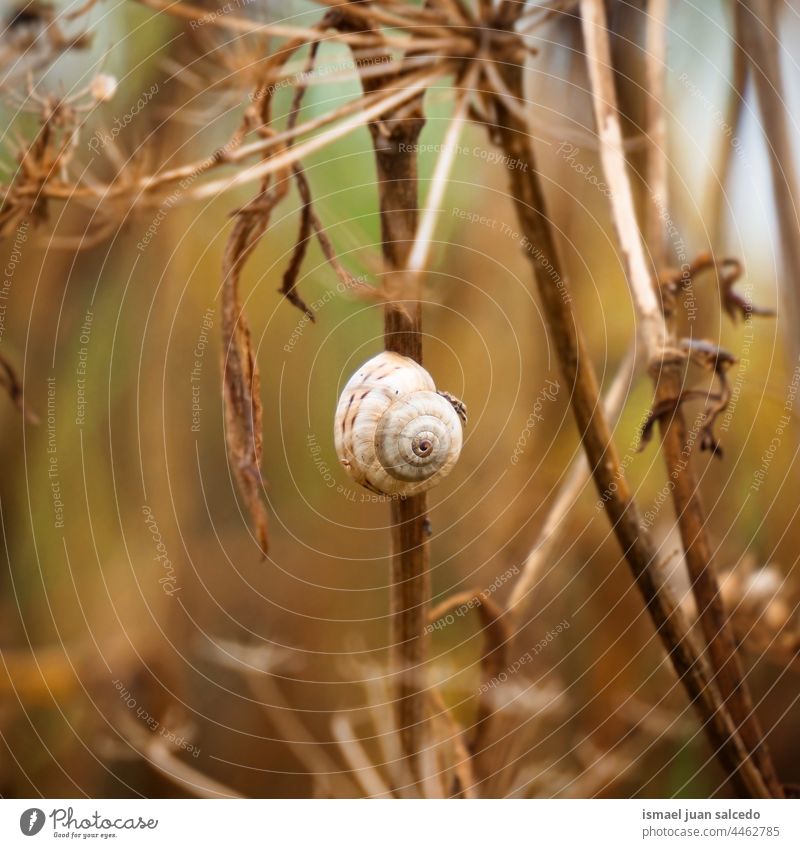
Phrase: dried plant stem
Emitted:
{"points": [[756, 33], [651, 325], [409, 598], [420, 251], [555, 524], [285, 156], [401, 95], [155, 752], [514, 137], [397, 186], [667, 378], [497, 637], [717, 202], [361, 767], [406, 243], [657, 168], [361, 38], [395, 134]]}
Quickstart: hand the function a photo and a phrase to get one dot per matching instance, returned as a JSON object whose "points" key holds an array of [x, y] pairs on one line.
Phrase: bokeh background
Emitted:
{"points": [[91, 622]]}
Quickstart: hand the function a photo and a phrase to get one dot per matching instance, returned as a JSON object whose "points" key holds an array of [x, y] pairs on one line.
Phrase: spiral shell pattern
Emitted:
{"points": [[394, 433]]}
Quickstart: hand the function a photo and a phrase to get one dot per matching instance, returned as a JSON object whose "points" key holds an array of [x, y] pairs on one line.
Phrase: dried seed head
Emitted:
{"points": [[763, 585], [103, 87]]}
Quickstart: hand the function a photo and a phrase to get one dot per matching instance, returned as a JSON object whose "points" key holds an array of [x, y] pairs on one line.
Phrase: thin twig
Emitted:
{"points": [[497, 636], [514, 138], [757, 34], [359, 38], [555, 524], [289, 283], [651, 325], [361, 767], [420, 250], [667, 377], [657, 168], [366, 109], [408, 91], [718, 202], [155, 753], [394, 138]]}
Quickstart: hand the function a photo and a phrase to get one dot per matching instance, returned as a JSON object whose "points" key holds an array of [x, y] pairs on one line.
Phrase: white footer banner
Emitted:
{"points": [[456, 824]]}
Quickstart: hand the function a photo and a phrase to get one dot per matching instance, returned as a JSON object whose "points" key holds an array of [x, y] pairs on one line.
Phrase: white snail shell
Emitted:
{"points": [[394, 433]]}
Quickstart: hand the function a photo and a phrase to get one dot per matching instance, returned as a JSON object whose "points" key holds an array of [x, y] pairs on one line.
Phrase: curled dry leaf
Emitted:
{"points": [[289, 284], [728, 271], [712, 358], [734, 304], [241, 384], [669, 406], [240, 377]]}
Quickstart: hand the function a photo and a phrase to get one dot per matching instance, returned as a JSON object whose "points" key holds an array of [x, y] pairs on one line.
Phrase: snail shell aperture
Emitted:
{"points": [[394, 433]]}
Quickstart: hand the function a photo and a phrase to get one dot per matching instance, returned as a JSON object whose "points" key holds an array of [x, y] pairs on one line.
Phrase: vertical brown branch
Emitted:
{"points": [[581, 381], [712, 615], [718, 201], [397, 187], [676, 450], [657, 161], [395, 137], [757, 35]]}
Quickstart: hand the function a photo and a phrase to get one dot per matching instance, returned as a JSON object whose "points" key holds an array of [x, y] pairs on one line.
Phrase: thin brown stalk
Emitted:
{"points": [[398, 97], [420, 251], [361, 767], [155, 753], [359, 38], [657, 165], [462, 759], [658, 337], [258, 666], [555, 524], [290, 276], [581, 381], [151, 186], [406, 263], [757, 34], [497, 634], [717, 202], [394, 138]]}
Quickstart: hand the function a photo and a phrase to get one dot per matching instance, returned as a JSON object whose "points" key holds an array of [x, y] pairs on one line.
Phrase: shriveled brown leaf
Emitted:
{"points": [[243, 413], [730, 270], [241, 385], [669, 406]]}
